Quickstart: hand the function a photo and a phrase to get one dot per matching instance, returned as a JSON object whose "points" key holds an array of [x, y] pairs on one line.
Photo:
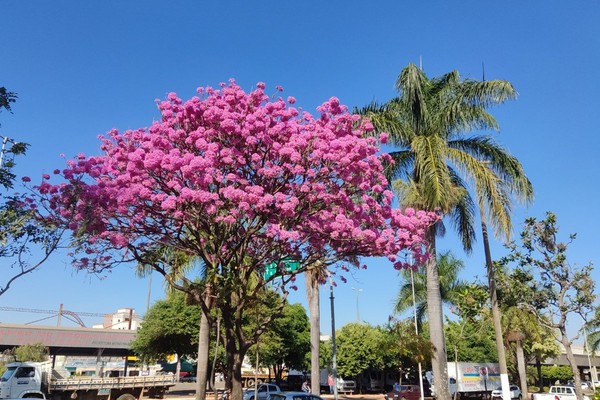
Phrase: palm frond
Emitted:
{"points": [[506, 166], [489, 189]]}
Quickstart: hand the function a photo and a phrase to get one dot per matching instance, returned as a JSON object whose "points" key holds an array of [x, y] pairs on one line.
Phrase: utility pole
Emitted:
{"points": [[357, 308]]}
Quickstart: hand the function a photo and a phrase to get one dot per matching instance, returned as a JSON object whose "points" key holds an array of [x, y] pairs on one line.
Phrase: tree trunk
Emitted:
{"points": [[522, 369], [538, 366], [236, 376], [203, 345], [312, 292], [435, 315], [203, 350], [569, 353], [495, 310]]}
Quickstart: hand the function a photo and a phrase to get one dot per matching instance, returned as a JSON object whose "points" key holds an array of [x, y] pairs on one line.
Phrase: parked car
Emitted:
{"points": [[265, 392], [188, 378], [404, 392], [515, 392], [561, 392], [295, 396], [585, 385]]}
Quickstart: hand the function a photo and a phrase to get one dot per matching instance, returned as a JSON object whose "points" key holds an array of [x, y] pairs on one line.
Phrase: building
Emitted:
{"points": [[123, 319]]}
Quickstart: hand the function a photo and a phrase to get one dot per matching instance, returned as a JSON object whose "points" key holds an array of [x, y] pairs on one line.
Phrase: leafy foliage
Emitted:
{"points": [[547, 285], [170, 327], [35, 352], [286, 342], [359, 347], [238, 181], [6, 99], [435, 161]]}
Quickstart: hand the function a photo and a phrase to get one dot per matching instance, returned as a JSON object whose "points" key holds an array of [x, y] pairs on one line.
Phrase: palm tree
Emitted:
{"points": [[314, 277], [450, 284], [427, 122]]}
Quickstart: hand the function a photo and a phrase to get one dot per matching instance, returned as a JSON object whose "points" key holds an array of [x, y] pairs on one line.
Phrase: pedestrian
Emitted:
{"points": [[330, 383], [305, 386]]}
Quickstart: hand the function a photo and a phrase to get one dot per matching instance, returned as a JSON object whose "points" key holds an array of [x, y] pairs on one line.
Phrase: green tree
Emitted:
{"points": [[35, 352], [427, 124], [169, 327], [522, 329], [286, 342], [359, 347], [549, 286], [403, 350], [468, 333], [448, 267]]}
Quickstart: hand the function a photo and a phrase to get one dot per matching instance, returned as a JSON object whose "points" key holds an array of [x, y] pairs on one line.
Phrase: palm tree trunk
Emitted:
{"points": [[312, 292], [495, 309], [203, 346], [435, 315], [202, 367]]}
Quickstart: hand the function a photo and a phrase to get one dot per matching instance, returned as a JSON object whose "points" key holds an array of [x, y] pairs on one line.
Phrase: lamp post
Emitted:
{"points": [[357, 309]]}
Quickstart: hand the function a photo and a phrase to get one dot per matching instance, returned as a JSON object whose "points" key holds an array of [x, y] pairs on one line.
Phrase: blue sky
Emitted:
{"points": [[81, 68]]}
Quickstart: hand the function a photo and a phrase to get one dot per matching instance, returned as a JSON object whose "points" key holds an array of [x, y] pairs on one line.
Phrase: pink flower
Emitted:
{"points": [[26, 179]]}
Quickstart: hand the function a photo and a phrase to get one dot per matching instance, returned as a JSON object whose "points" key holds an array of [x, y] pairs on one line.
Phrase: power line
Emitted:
{"points": [[55, 312]]}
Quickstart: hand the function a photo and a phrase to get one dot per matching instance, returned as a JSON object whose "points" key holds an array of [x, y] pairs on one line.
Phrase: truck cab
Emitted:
{"points": [[21, 380]]}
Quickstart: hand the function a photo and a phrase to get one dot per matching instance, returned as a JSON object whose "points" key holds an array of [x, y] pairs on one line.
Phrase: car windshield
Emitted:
{"points": [[7, 374]]}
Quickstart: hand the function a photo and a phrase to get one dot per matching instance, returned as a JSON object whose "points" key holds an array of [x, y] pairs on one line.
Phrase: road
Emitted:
{"points": [[186, 391]]}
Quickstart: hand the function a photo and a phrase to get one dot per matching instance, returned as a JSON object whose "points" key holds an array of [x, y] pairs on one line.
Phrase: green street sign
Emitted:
{"points": [[289, 265]]}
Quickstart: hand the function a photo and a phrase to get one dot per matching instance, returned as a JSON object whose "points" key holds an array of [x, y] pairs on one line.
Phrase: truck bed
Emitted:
{"points": [[87, 383]]}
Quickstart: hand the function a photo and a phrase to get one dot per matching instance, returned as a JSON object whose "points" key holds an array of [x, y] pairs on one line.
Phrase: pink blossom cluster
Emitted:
{"points": [[237, 177]]}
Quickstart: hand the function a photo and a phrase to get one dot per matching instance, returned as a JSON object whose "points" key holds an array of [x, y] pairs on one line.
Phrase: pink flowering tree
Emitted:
{"points": [[238, 181]]}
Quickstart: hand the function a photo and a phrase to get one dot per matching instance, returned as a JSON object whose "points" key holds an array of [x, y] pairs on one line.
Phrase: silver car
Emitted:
{"points": [[295, 396], [265, 392]]}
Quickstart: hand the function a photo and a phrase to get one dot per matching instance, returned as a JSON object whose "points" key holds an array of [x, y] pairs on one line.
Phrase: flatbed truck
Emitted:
{"points": [[39, 380]]}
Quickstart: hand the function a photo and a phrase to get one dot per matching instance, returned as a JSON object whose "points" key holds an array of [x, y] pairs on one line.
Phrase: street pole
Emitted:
{"points": [[357, 308], [333, 348]]}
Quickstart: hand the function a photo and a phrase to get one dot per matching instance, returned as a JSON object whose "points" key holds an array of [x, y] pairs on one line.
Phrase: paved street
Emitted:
{"points": [[186, 391]]}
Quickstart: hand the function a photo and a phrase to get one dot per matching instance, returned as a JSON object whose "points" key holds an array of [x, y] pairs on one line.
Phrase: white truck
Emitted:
{"points": [[39, 380], [472, 379], [558, 393]]}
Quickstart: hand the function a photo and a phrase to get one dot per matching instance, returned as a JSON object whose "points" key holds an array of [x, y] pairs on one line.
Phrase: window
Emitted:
{"points": [[25, 372], [7, 374]]}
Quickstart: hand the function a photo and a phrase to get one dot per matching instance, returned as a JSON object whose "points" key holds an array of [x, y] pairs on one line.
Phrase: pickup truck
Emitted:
{"points": [[558, 393]]}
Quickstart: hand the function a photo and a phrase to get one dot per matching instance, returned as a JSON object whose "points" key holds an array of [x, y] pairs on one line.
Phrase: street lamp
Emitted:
{"points": [[357, 309]]}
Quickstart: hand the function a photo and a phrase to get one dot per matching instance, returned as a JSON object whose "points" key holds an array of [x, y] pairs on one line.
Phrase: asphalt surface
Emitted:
{"points": [[187, 391]]}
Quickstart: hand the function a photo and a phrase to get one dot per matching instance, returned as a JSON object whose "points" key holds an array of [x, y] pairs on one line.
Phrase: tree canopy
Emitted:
{"points": [[241, 182], [169, 327]]}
